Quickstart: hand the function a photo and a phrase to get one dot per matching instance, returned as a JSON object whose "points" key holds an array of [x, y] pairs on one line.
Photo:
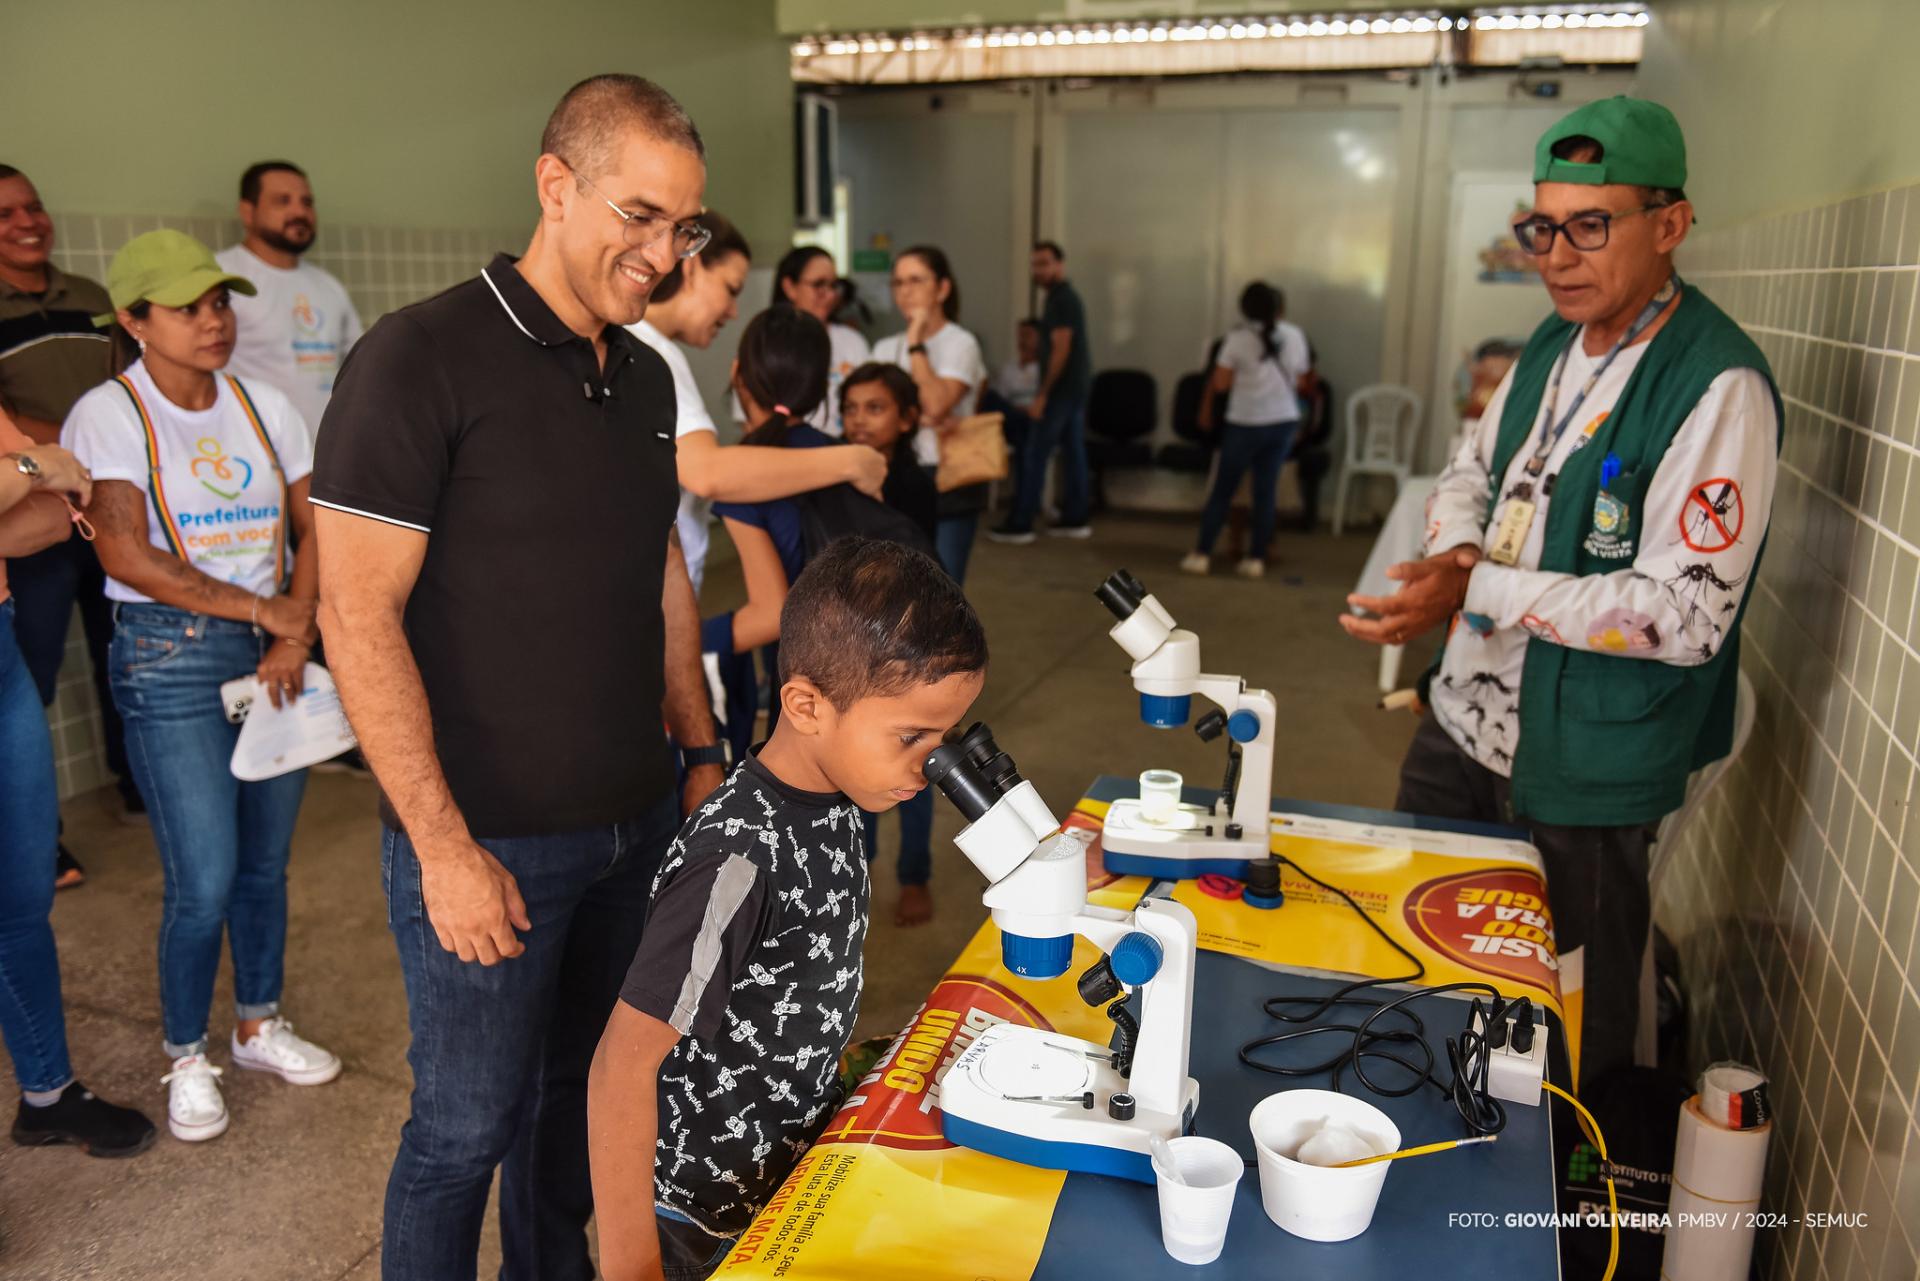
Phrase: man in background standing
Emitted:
{"points": [[51, 352], [1059, 411], [295, 332]]}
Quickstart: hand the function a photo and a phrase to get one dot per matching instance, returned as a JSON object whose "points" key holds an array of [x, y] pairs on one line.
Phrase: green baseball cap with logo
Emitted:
{"points": [[167, 267], [1640, 146]]}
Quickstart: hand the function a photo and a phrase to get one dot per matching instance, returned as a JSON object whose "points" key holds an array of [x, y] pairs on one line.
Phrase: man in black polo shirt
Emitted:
{"points": [[500, 600], [1059, 411]]}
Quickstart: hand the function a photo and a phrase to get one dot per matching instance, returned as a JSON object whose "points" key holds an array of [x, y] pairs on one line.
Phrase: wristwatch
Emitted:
{"points": [[28, 466], [918, 349], [712, 754]]}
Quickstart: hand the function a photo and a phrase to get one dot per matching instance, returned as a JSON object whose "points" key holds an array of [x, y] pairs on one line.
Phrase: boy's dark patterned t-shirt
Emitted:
{"points": [[752, 953]]}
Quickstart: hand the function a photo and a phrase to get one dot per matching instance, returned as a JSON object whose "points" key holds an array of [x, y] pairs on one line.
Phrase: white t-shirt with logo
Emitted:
{"points": [[1263, 385], [690, 415], [215, 477], [953, 353], [294, 333]]}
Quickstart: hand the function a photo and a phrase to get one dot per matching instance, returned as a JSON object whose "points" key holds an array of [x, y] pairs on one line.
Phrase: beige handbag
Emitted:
{"points": [[972, 453]]}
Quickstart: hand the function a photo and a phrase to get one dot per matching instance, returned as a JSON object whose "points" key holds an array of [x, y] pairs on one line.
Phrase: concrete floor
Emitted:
{"points": [[293, 1190]]}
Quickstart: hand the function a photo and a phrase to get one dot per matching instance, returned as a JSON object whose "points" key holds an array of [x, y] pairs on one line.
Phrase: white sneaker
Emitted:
{"points": [[1195, 563], [1070, 531], [274, 1048], [195, 1110], [1251, 568]]}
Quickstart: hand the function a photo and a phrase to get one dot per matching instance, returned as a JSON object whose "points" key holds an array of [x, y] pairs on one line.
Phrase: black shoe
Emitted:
{"points": [[67, 872], [83, 1118]]}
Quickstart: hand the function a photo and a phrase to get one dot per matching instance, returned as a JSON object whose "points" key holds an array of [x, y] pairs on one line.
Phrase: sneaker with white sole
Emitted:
{"points": [[1195, 563], [195, 1110], [274, 1048], [1251, 568], [1070, 531], [1009, 535]]}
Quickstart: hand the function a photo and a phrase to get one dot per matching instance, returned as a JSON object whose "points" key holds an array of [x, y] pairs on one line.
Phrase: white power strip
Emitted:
{"points": [[1511, 1075]]}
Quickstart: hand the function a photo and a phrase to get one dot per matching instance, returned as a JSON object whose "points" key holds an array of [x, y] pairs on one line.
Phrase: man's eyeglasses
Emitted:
{"points": [[1584, 231], [645, 229]]}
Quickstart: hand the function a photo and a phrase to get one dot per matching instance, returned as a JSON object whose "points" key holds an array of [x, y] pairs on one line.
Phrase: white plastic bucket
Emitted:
{"points": [[1317, 1202]]}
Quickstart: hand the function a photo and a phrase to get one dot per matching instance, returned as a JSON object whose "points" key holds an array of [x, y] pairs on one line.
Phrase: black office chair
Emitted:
{"points": [[1193, 450], [1122, 411]]}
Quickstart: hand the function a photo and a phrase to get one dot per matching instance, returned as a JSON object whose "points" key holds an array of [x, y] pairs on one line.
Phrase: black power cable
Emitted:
{"points": [[1404, 1046]]}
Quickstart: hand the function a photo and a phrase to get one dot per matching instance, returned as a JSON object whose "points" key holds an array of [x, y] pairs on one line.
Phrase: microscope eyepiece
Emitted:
{"points": [[973, 773], [1121, 594]]}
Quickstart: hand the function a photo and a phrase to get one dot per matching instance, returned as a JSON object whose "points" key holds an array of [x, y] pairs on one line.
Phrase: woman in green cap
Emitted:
{"points": [[200, 487]]}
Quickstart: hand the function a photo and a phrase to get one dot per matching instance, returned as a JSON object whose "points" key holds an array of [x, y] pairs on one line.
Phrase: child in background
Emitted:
{"points": [[743, 993], [879, 408]]}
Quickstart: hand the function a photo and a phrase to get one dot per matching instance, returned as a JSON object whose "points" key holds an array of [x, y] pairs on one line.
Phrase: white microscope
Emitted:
{"points": [[1037, 1096], [1191, 840]]}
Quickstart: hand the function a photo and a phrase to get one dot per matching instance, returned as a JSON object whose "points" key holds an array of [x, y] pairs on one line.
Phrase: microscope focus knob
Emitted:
{"points": [[1244, 725], [1136, 958]]}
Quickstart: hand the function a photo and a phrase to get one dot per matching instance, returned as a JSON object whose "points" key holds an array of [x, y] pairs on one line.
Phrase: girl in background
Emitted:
{"points": [[1260, 368]]}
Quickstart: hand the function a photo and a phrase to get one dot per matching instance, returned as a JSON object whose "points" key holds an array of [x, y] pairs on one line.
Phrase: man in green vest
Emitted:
{"points": [[1594, 541]]}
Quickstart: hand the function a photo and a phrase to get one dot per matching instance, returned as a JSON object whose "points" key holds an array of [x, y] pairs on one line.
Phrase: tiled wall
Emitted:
{"points": [[1794, 894], [382, 268]]}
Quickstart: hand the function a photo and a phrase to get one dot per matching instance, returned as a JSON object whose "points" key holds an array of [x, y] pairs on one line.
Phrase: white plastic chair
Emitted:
{"points": [[1382, 422], [1699, 787]]}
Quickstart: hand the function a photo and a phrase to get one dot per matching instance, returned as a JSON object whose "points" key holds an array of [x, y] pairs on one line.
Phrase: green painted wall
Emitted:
{"points": [[1787, 103], [417, 113]]}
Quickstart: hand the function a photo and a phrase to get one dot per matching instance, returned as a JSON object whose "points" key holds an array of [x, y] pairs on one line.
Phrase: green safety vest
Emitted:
{"points": [[1608, 741]]}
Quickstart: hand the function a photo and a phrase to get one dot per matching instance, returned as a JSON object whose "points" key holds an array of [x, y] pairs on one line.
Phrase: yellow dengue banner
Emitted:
{"points": [[1472, 908], [882, 1195]]}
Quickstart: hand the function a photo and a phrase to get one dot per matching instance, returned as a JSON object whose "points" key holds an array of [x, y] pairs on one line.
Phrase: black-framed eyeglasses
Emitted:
{"points": [[1584, 231], [644, 229]]}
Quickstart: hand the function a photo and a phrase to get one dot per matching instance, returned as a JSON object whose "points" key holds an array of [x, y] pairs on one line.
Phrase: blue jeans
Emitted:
{"points": [[1064, 424], [46, 586], [1264, 449], [916, 837], [500, 1053], [30, 1011], [953, 543], [224, 844]]}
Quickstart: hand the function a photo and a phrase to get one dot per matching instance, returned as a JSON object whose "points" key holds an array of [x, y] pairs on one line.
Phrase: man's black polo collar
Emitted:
{"points": [[532, 316]]}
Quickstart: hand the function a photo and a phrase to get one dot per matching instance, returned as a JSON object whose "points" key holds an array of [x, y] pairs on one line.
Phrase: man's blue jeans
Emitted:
{"points": [[224, 844], [1064, 424], [30, 1011], [500, 1053], [1264, 450]]}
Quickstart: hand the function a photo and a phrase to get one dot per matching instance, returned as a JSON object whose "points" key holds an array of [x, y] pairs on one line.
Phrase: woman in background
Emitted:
{"points": [[200, 489], [37, 485], [945, 363], [689, 307], [1259, 369], [806, 281]]}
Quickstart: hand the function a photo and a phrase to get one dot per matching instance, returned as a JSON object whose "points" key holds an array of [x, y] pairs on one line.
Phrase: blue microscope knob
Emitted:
{"points": [[1244, 725], [1135, 958]]}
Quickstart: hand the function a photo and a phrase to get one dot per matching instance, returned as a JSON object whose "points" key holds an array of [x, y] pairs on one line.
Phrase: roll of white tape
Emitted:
{"points": [[1717, 1177]]}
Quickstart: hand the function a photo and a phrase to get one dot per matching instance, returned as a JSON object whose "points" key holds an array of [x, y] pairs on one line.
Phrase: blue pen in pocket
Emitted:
{"points": [[1611, 536]]}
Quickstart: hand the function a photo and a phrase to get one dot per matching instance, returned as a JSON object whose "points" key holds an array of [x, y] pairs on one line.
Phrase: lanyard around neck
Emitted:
{"points": [[1550, 438]]}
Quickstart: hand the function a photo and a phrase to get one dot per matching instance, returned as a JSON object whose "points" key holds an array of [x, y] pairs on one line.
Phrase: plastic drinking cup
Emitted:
{"points": [[1194, 1211]]}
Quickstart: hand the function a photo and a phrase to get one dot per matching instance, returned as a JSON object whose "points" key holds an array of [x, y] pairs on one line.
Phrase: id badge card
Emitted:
{"points": [[1511, 536]]}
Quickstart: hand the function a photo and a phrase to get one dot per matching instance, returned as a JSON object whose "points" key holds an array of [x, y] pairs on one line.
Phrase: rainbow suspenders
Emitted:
{"points": [[156, 490]]}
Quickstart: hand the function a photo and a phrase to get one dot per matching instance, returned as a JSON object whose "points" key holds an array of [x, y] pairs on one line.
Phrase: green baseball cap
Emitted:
{"points": [[1640, 146], [167, 267]]}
